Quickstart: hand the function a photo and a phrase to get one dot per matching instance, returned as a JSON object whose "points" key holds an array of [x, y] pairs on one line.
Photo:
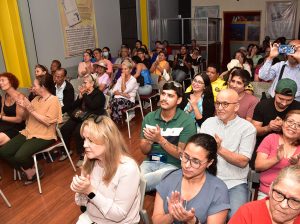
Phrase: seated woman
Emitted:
{"points": [[124, 92], [43, 113], [89, 101], [193, 194], [85, 67], [145, 87], [200, 102], [277, 151], [108, 188], [281, 207], [12, 115], [103, 78], [182, 65], [159, 66]]}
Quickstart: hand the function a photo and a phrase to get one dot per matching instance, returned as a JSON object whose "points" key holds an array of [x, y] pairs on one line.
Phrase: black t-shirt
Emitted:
{"points": [[180, 65], [147, 63]]}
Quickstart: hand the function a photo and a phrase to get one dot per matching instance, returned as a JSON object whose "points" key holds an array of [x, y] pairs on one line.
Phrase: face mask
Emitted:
{"points": [[105, 53]]}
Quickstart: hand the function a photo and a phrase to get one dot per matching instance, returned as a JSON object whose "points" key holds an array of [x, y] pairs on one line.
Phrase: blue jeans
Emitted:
{"points": [[153, 171], [238, 196]]}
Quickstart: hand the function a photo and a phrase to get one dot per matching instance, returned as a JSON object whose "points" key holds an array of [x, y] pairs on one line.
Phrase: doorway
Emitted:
{"points": [[240, 29]]}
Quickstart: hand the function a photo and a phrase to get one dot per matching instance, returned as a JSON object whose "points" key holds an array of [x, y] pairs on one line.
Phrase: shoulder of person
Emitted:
{"points": [[215, 181], [295, 105]]}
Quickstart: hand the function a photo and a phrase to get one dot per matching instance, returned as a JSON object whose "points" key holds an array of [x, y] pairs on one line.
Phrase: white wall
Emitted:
{"points": [[48, 34], [244, 5]]}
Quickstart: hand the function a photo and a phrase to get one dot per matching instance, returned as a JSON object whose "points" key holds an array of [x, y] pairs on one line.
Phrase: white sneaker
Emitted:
{"points": [[130, 117], [64, 155], [146, 105]]}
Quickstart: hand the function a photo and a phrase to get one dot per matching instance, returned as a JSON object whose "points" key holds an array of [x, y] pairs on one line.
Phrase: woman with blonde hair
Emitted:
{"points": [[108, 188]]}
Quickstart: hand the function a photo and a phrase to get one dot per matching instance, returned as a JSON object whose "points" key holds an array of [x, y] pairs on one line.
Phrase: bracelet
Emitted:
{"points": [[197, 220]]}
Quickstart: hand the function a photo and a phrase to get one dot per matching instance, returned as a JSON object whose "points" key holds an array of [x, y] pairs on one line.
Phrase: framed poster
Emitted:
{"points": [[280, 19]]}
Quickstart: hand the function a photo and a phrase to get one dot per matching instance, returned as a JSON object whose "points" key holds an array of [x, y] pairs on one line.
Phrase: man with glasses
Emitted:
{"points": [[281, 207], [236, 140], [164, 134]]}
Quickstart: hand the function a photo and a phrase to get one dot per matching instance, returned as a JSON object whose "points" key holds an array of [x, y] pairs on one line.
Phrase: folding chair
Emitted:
{"points": [[253, 177], [143, 212], [138, 104], [59, 143], [155, 91], [4, 198]]}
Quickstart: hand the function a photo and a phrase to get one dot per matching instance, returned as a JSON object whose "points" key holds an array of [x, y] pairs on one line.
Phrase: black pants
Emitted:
{"points": [[72, 128]]}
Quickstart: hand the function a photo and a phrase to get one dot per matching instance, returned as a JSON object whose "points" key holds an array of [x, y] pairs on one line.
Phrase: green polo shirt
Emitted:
{"points": [[179, 129]]}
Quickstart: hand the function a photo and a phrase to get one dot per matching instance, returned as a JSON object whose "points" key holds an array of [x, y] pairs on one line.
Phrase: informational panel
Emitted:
{"points": [[78, 26]]}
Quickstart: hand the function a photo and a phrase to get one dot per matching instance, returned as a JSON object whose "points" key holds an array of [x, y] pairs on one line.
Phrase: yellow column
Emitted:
{"points": [[144, 21], [12, 41]]}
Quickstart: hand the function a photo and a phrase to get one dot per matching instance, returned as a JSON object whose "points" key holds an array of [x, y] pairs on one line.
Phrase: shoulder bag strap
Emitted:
{"points": [[281, 72]]}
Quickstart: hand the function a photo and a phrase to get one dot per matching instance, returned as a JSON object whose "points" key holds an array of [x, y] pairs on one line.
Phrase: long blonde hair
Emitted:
{"points": [[103, 130]]}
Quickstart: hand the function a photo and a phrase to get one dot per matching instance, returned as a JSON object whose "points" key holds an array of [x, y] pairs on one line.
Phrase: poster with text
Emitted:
{"points": [[280, 19], [78, 26]]}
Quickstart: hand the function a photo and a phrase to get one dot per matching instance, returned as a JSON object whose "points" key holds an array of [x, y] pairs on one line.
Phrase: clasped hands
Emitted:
{"points": [[25, 103], [152, 134], [81, 184], [293, 160], [177, 210]]}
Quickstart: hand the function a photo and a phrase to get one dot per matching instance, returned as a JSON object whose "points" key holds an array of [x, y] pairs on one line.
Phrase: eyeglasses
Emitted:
{"points": [[292, 123], [198, 82], [176, 84], [279, 197], [195, 163], [223, 104]]}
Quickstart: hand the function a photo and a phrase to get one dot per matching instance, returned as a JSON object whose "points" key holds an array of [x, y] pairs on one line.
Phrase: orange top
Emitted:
{"points": [[51, 109]]}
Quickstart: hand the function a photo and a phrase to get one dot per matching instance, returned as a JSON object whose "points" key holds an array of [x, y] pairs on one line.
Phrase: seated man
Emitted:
{"points": [[240, 78], [282, 206], [269, 113], [236, 140], [164, 134]]}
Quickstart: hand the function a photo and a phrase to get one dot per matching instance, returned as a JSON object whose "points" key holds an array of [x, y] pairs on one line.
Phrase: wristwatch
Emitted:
{"points": [[197, 220], [91, 195]]}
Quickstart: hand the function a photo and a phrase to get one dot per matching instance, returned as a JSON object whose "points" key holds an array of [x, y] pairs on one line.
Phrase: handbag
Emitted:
{"points": [[80, 115], [166, 75]]}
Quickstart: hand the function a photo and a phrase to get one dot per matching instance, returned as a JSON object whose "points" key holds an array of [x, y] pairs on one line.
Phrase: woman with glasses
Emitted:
{"points": [[107, 190], [193, 194], [90, 101], [281, 207], [200, 102], [278, 150]]}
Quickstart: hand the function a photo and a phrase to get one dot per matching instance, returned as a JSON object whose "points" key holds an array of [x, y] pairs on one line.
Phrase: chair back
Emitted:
{"points": [[107, 98], [143, 191]]}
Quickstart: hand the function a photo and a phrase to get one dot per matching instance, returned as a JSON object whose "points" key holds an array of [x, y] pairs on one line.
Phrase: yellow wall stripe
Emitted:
{"points": [[12, 41], [144, 22]]}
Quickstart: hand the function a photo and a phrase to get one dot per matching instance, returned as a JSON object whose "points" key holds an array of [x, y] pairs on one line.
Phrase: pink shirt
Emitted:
{"points": [[104, 79], [269, 146], [109, 65], [247, 105]]}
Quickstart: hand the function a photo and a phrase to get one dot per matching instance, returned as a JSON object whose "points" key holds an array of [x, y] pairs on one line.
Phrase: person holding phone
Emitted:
{"points": [[284, 69]]}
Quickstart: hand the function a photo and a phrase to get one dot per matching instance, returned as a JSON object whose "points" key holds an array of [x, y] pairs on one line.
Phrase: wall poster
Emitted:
{"points": [[280, 19], [78, 26]]}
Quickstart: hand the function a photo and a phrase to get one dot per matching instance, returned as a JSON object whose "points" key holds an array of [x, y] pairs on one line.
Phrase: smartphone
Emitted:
{"points": [[286, 49]]}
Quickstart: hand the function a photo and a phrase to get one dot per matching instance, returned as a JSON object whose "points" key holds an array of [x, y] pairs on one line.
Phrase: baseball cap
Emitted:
{"points": [[287, 87]]}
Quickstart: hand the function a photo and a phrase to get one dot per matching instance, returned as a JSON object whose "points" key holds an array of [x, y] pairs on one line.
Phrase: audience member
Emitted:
{"points": [[164, 134], [106, 53], [284, 69], [159, 66], [281, 207], [98, 54], [141, 52], [167, 47], [182, 65], [107, 190], [240, 78], [138, 44], [85, 67], [89, 101], [278, 151], [239, 55], [124, 92], [142, 75], [236, 140], [193, 194], [254, 55], [118, 63], [12, 115], [90, 52], [43, 113], [199, 103], [64, 92], [269, 113], [54, 66], [103, 80], [217, 83], [196, 60]]}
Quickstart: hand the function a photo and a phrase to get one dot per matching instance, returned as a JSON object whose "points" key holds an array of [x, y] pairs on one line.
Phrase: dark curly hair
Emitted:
{"points": [[13, 80], [209, 144]]}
